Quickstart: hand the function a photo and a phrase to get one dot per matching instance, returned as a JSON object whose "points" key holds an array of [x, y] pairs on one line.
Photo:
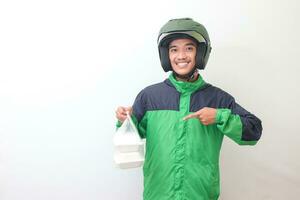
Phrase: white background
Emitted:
{"points": [[66, 65]]}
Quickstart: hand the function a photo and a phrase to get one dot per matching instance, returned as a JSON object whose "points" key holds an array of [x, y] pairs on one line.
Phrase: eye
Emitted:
{"points": [[173, 50], [190, 48]]}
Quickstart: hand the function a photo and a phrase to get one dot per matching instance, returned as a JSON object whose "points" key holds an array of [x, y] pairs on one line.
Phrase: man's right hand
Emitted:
{"points": [[121, 113]]}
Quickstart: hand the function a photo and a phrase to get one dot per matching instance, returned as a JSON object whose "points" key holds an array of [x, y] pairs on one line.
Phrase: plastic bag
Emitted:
{"points": [[129, 147]]}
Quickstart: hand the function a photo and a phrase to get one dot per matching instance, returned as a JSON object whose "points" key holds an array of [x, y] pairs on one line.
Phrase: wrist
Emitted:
{"points": [[119, 124]]}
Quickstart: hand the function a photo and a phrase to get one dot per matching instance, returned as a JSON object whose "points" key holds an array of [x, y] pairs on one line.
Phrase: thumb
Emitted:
{"points": [[129, 110]]}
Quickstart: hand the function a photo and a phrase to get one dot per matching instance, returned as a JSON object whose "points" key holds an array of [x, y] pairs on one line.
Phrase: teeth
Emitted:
{"points": [[182, 64]]}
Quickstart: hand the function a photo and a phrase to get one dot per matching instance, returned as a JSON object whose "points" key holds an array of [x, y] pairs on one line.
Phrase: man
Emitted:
{"points": [[184, 119]]}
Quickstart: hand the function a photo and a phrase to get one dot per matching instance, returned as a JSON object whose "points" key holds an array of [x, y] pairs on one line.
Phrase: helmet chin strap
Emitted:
{"points": [[187, 77]]}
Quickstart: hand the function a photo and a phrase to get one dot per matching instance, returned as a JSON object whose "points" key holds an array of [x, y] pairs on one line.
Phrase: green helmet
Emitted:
{"points": [[183, 28]]}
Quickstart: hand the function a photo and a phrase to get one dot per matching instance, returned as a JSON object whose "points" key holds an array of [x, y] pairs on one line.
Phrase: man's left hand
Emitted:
{"points": [[205, 115]]}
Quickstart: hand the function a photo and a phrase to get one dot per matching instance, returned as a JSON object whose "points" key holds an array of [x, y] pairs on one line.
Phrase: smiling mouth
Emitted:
{"points": [[182, 64]]}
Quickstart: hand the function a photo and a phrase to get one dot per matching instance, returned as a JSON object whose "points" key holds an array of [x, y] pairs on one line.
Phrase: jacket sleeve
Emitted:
{"points": [[238, 124], [138, 114]]}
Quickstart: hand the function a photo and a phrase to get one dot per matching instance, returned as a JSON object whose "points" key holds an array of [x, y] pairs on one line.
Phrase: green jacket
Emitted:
{"points": [[182, 157]]}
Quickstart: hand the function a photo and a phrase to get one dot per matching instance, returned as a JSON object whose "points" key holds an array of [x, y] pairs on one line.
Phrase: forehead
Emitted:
{"points": [[182, 42]]}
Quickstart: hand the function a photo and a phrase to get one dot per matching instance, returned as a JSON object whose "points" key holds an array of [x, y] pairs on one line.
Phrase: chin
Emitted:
{"points": [[182, 73]]}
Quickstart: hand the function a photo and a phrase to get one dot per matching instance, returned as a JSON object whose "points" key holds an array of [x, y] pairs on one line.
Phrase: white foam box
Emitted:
{"points": [[128, 160], [128, 143]]}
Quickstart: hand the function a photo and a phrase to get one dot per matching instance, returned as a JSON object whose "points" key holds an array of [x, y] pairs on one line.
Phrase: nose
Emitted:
{"points": [[181, 55]]}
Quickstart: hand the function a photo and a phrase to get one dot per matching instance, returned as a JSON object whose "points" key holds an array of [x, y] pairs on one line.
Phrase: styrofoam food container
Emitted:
{"points": [[128, 143], [130, 148], [128, 160]]}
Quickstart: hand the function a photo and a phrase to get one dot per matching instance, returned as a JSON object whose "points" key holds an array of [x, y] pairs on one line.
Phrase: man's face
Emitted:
{"points": [[182, 55]]}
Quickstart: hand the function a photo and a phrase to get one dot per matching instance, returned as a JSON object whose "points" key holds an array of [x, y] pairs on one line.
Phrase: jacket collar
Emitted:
{"points": [[186, 87]]}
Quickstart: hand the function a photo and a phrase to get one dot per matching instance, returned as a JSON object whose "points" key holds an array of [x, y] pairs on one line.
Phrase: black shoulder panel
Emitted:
{"points": [[210, 96], [160, 96]]}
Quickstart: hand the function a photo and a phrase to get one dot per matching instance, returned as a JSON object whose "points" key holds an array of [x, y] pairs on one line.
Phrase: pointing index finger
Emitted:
{"points": [[193, 115]]}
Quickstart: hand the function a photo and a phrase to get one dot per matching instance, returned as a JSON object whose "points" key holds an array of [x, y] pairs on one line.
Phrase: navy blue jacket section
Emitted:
{"points": [[209, 96], [160, 96], [214, 97], [252, 127], [164, 96]]}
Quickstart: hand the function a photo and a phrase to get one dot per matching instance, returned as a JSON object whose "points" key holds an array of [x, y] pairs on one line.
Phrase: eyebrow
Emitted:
{"points": [[187, 44]]}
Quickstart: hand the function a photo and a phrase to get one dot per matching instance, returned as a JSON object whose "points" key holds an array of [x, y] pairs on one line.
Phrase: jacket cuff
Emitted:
{"points": [[118, 124], [222, 112]]}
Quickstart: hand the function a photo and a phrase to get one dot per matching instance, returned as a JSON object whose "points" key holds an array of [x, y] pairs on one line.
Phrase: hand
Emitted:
{"points": [[121, 113], [205, 115]]}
